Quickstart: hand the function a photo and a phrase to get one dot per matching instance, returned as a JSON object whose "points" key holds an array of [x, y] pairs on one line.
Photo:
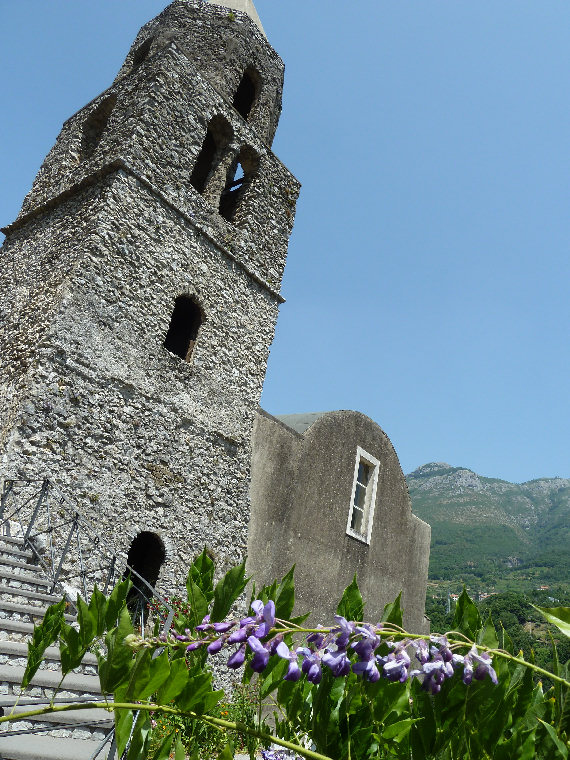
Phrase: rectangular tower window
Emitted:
{"points": [[361, 512]]}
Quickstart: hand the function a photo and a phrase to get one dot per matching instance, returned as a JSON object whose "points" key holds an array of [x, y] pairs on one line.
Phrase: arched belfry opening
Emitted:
{"points": [[146, 556], [184, 326], [247, 92], [95, 125], [218, 136], [242, 172]]}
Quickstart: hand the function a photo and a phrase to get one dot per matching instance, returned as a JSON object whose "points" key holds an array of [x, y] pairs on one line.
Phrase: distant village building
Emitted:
{"points": [[139, 292]]}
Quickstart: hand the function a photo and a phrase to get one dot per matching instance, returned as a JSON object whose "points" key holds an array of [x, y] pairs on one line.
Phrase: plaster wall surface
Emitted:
{"points": [[301, 490]]}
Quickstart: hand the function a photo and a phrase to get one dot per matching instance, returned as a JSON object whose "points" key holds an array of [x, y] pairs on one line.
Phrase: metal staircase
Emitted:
{"points": [[47, 550]]}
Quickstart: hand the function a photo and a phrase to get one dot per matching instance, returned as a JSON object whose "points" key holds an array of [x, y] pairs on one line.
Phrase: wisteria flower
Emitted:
{"points": [[237, 659], [260, 654], [294, 671], [337, 661], [484, 666]]}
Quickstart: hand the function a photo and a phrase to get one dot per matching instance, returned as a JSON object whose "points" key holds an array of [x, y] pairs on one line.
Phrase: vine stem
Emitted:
{"points": [[220, 722]]}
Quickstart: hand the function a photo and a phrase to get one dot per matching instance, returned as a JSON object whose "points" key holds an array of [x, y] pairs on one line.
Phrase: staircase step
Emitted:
{"points": [[51, 598], [16, 626], [29, 579], [50, 679], [38, 747], [24, 609], [20, 649], [12, 540], [9, 549], [4, 560]]}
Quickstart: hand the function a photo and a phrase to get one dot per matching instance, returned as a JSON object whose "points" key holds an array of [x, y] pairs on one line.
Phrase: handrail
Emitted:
{"points": [[49, 523]]}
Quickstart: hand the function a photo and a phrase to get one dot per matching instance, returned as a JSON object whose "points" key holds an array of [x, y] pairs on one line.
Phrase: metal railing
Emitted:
{"points": [[73, 557], [69, 550]]}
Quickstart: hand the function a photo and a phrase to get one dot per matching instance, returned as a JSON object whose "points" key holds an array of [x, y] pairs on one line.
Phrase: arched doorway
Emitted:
{"points": [[145, 558]]}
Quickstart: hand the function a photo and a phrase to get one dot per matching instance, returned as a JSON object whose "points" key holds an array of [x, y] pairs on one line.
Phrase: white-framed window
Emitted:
{"points": [[363, 499]]}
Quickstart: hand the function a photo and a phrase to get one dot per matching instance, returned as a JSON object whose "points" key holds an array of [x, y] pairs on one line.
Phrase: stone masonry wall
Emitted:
{"points": [[107, 240], [157, 127], [132, 429], [221, 44], [35, 264]]}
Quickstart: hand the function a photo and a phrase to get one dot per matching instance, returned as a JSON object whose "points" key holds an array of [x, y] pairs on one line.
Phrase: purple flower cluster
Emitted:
{"points": [[377, 654]]}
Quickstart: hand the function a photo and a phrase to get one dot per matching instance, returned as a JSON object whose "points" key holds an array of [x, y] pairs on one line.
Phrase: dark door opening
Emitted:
{"points": [[146, 556]]}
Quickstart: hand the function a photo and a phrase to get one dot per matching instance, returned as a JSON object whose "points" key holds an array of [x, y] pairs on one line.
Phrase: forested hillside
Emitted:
{"points": [[492, 535]]}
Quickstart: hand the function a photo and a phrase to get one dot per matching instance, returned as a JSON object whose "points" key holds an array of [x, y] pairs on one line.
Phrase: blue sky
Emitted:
{"points": [[427, 279]]}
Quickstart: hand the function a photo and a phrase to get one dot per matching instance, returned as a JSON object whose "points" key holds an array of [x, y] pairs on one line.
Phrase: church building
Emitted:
{"points": [[139, 294]]}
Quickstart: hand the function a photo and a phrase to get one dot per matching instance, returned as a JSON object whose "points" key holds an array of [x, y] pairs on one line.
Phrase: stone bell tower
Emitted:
{"points": [[139, 288]]}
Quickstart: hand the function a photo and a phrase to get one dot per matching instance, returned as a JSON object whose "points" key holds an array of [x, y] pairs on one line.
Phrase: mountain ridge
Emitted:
{"points": [[491, 531]]}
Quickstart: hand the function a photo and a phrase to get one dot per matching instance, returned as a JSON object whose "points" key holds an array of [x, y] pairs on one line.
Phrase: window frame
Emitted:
{"points": [[370, 498]]}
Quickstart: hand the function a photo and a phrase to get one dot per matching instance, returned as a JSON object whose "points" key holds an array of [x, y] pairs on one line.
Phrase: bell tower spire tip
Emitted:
{"points": [[245, 6]]}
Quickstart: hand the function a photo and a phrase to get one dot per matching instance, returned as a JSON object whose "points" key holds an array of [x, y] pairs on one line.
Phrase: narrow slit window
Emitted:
{"points": [[217, 139], [241, 175], [361, 512], [95, 126], [184, 326], [247, 92], [141, 53]]}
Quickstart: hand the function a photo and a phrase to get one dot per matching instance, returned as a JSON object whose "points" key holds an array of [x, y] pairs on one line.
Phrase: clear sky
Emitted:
{"points": [[427, 283]]}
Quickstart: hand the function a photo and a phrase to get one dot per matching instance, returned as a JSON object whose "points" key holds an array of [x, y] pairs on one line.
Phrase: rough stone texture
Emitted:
{"points": [[102, 248], [301, 490], [111, 234]]}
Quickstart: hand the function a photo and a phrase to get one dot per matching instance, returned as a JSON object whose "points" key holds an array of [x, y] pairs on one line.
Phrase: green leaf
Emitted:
{"points": [[71, 649], [393, 612], [180, 754], [123, 725], [198, 604], [467, 619], [558, 743], [197, 695], [87, 623], [272, 676], [227, 591], [201, 573], [285, 596], [45, 634], [115, 603], [175, 683], [398, 731], [488, 635], [98, 610], [159, 673], [163, 752], [506, 641], [114, 668], [140, 738], [147, 675], [556, 671], [558, 616], [351, 605], [227, 753]]}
